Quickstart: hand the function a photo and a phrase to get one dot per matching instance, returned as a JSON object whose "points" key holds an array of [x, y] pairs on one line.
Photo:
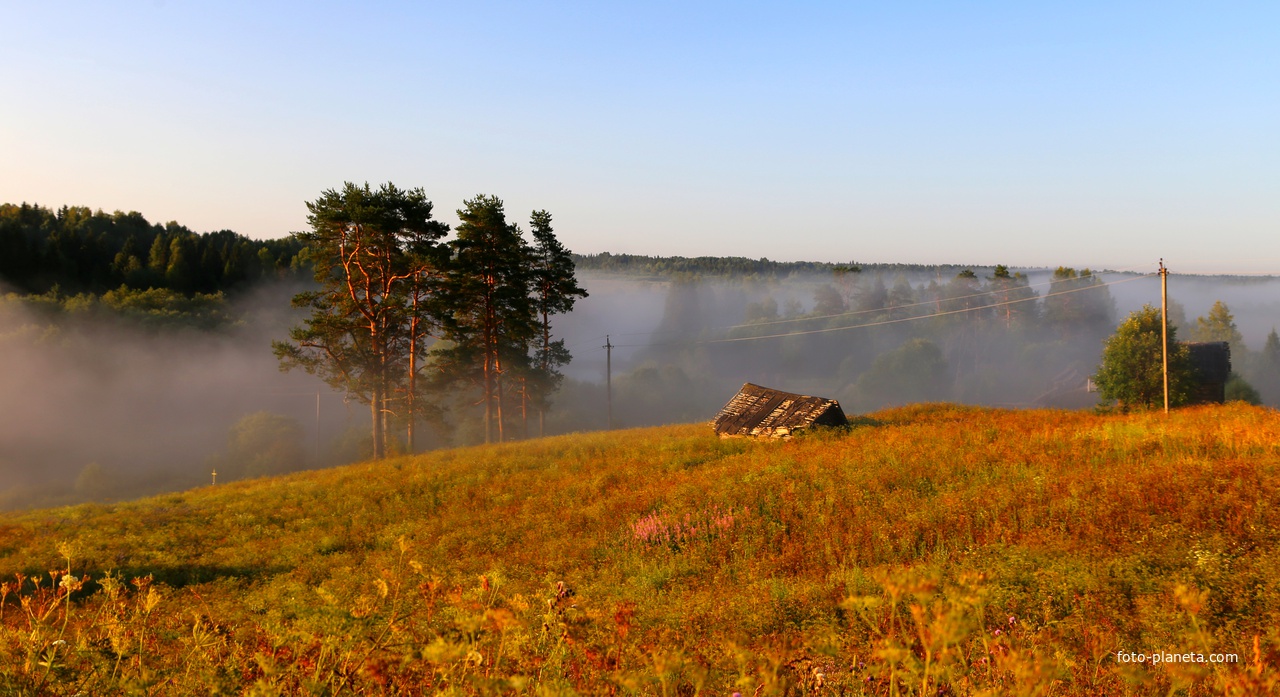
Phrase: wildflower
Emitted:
{"points": [[69, 582], [997, 632], [563, 591], [1012, 620]]}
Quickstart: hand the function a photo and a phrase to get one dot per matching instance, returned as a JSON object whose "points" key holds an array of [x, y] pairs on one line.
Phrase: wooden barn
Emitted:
{"points": [[1211, 361], [767, 413]]}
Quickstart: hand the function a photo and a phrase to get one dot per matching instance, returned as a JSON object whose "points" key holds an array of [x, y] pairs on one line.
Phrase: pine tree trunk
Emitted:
{"points": [[382, 396], [546, 358], [411, 404], [386, 432], [498, 372], [488, 398], [375, 408], [524, 407]]}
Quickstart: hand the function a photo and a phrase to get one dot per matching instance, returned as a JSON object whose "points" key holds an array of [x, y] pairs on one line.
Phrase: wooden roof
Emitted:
{"points": [[761, 411]]}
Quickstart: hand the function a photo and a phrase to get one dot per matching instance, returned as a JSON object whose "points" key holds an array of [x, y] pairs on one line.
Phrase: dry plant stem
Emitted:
{"points": [[378, 644]]}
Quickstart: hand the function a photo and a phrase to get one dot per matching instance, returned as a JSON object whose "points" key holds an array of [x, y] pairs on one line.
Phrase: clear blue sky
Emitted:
{"points": [[1085, 133]]}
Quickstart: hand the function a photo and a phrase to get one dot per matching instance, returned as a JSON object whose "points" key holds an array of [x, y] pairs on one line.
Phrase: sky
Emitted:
{"points": [[1098, 134]]}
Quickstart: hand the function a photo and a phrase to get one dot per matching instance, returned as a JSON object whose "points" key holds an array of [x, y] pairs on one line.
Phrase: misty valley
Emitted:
{"points": [[115, 392], [532, 499]]}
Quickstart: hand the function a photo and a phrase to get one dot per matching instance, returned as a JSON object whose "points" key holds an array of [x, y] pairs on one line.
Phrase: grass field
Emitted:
{"points": [[931, 549]]}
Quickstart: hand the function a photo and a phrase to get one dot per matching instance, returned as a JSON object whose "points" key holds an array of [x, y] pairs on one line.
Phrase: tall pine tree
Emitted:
{"points": [[492, 319], [369, 248], [555, 291]]}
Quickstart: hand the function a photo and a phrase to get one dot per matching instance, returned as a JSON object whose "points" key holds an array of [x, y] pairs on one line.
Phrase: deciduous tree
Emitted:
{"points": [[1132, 365], [1219, 325]]}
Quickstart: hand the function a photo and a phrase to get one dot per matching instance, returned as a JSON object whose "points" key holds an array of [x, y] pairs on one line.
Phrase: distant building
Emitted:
{"points": [[767, 413], [1211, 361]]}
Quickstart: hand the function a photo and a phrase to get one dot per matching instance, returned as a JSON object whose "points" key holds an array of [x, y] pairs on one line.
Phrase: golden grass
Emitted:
{"points": [[933, 549]]}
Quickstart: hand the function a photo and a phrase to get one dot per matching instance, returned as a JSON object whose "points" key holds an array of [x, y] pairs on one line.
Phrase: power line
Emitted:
{"points": [[579, 344], [936, 314], [895, 321], [900, 307], [812, 318]]}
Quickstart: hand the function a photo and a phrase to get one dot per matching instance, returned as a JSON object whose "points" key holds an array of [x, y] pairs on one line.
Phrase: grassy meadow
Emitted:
{"points": [[932, 549]]}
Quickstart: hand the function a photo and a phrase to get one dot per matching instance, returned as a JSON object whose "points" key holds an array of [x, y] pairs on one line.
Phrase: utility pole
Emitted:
{"points": [[608, 377], [1164, 330]]}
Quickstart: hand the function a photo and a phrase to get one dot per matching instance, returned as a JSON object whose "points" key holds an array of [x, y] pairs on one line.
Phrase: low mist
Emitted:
{"points": [[95, 408], [668, 368], [98, 408]]}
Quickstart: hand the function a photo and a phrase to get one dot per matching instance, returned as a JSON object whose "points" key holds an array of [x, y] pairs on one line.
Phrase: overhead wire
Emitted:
{"points": [[584, 342], [899, 307], [944, 313], [936, 314], [811, 318]]}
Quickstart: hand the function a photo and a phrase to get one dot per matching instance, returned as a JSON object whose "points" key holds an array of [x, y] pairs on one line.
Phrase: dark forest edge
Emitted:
{"points": [[78, 250], [680, 267]]}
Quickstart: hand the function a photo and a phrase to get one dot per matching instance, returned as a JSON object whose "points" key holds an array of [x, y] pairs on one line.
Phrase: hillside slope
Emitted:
{"points": [[931, 549]]}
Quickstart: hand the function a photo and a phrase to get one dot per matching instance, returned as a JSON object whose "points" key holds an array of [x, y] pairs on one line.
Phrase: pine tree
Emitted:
{"points": [[555, 290], [1271, 351], [493, 317], [1078, 300], [1268, 369], [362, 243], [1012, 295]]}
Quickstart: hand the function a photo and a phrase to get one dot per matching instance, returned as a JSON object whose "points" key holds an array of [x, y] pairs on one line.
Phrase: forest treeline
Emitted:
{"points": [[79, 250], [739, 267]]}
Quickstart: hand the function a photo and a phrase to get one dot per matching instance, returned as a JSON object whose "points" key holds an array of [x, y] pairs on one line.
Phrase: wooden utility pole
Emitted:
{"points": [[608, 377], [1164, 330]]}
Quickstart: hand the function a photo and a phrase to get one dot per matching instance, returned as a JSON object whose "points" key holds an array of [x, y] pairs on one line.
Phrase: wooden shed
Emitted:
{"points": [[763, 412], [1211, 361]]}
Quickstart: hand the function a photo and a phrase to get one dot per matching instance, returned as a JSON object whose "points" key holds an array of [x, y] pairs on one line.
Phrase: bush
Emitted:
{"points": [[1239, 390], [263, 444], [916, 371]]}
